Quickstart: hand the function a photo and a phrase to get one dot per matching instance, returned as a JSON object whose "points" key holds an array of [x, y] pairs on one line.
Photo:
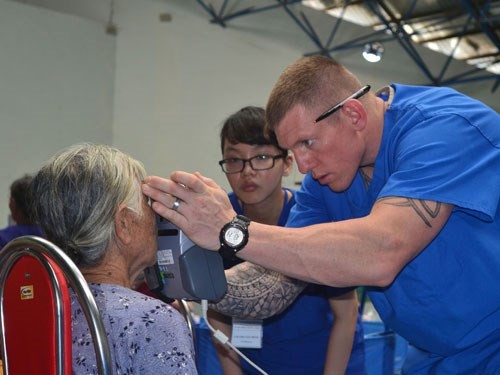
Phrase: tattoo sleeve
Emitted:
{"points": [[255, 292], [426, 210]]}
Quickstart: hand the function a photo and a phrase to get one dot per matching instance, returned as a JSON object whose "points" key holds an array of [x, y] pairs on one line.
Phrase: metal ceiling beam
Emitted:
{"points": [[481, 15], [307, 27], [452, 54], [391, 23], [400, 35], [326, 48], [220, 17]]}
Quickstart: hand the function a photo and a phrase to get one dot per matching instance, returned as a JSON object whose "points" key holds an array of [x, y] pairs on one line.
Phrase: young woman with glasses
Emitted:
{"points": [[295, 341]]}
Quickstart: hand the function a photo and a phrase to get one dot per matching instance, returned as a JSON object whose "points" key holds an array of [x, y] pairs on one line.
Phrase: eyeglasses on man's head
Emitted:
{"points": [[358, 94], [257, 163]]}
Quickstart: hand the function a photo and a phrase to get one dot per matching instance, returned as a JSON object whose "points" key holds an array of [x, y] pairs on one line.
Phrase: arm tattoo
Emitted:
{"points": [[421, 207], [257, 293]]}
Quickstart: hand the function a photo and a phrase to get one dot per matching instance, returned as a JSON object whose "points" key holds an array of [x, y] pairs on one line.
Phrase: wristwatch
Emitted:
{"points": [[234, 236]]}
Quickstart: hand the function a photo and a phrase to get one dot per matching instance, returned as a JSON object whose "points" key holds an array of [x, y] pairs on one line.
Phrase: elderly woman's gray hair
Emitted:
{"points": [[77, 194]]}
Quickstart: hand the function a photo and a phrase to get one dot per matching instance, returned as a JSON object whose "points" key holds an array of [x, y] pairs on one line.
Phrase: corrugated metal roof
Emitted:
{"points": [[464, 30]]}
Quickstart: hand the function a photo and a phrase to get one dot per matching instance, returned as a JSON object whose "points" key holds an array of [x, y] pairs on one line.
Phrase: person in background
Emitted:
{"points": [[21, 211], [295, 341], [409, 177], [89, 203]]}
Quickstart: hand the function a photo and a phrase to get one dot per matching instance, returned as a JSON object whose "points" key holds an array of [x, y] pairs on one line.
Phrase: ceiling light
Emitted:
{"points": [[373, 52]]}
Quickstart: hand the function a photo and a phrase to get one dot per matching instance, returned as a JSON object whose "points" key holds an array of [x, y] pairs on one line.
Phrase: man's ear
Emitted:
{"points": [[124, 224], [288, 165], [356, 112]]}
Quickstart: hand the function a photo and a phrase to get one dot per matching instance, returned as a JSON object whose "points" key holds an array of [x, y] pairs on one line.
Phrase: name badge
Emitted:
{"points": [[247, 334]]}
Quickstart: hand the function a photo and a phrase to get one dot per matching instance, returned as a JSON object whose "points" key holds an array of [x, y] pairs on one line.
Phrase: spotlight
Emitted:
{"points": [[373, 52]]}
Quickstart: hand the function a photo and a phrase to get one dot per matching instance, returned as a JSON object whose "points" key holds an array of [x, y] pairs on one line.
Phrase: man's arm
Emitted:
{"points": [[257, 293], [366, 251]]}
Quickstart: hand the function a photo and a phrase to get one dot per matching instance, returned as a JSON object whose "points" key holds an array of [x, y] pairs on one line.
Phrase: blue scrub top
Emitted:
{"points": [[295, 341]]}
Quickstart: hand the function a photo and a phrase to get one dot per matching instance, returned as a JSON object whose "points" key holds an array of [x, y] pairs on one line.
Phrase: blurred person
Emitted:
{"points": [[21, 212], [295, 341], [89, 203], [409, 177]]}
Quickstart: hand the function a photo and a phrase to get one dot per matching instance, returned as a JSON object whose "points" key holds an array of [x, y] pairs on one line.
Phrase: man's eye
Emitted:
{"points": [[307, 143], [232, 161]]}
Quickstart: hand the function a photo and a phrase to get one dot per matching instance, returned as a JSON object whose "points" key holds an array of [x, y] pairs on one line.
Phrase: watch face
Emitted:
{"points": [[233, 236]]}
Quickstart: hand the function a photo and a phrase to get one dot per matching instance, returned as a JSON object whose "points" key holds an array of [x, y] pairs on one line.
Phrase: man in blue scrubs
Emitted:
{"points": [[406, 182]]}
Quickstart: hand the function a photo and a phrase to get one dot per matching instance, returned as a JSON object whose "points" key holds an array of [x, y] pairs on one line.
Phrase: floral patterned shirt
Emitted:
{"points": [[146, 336]]}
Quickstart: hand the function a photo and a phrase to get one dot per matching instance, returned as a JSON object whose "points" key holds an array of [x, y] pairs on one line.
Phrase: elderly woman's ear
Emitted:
{"points": [[125, 220]]}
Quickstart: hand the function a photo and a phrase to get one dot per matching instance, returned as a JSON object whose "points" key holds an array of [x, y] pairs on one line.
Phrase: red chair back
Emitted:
{"points": [[35, 326], [35, 310]]}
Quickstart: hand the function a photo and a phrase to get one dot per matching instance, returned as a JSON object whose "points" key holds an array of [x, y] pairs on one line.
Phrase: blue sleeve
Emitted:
{"points": [[309, 206], [445, 158]]}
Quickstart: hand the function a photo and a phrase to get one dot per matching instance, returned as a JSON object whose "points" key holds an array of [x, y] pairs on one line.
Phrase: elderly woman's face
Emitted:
{"points": [[146, 235]]}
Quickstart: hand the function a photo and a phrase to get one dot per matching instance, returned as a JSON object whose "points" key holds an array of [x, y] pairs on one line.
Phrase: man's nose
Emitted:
{"points": [[303, 163]]}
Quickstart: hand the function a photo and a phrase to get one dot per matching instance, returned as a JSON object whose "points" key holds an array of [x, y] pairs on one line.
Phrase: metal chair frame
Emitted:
{"points": [[42, 249]]}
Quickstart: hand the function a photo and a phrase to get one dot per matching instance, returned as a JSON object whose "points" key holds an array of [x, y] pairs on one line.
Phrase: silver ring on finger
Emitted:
{"points": [[176, 204]]}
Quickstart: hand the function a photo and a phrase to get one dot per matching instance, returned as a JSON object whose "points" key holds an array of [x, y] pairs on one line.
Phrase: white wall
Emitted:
{"points": [[176, 82], [56, 88], [171, 87]]}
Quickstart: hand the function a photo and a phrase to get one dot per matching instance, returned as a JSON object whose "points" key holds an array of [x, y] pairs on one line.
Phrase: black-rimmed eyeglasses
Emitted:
{"points": [[257, 163], [358, 94]]}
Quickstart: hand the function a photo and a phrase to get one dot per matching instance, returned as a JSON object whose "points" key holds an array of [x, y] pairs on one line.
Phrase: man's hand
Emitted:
{"points": [[202, 207]]}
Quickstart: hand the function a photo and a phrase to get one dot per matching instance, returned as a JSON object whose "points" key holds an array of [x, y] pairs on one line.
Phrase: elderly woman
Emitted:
{"points": [[89, 203]]}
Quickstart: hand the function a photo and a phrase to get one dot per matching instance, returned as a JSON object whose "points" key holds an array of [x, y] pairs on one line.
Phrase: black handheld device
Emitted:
{"points": [[183, 269]]}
